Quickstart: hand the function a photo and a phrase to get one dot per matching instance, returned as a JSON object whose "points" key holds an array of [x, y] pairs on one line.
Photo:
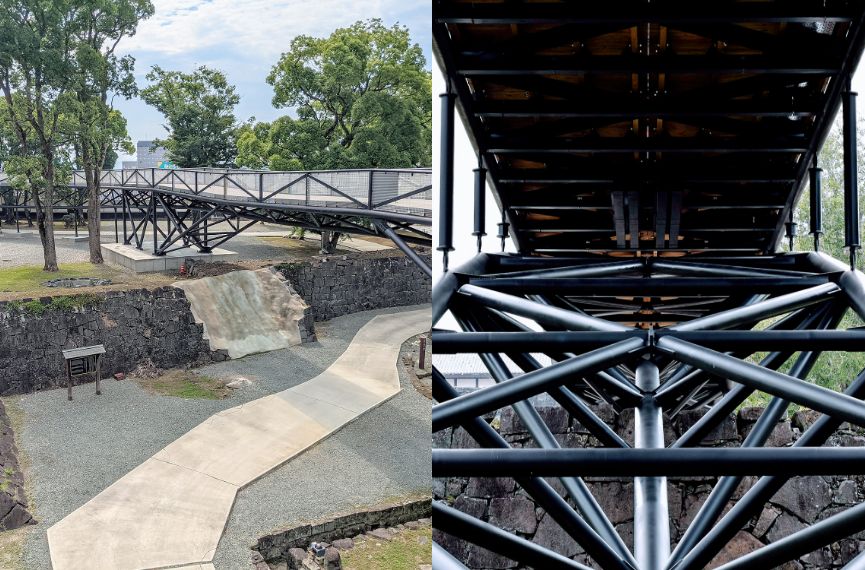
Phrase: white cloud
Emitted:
{"points": [[262, 28]]}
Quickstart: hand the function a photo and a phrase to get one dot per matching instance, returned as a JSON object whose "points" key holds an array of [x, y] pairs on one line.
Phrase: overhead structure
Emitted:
{"points": [[647, 157], [167, 210]]}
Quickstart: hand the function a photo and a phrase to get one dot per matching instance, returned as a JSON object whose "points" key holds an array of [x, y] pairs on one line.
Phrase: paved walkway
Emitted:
{"points": [[170, 511]]}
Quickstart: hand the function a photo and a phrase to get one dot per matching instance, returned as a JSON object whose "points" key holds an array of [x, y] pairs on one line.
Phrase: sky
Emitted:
{"points": [[244, 39]]}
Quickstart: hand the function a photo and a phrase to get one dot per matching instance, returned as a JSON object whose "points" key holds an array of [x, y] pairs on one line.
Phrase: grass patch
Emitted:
{"points": [[407, 550], [31, 277], [12, 548], [185, 384]]}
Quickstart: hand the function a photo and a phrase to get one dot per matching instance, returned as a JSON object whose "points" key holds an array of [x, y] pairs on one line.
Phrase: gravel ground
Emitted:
{"points": [[76, 449], [17, 250], [383, 455]]}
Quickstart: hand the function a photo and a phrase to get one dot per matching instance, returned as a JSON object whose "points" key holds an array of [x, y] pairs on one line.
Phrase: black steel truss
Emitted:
{"points": [[685, 340], [168, 210]]}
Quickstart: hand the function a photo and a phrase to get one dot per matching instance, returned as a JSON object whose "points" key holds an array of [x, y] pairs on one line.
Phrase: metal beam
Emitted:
{"points": [[775, 383], [692, 64], [478, 403], [488, 536], [629, 14], [680, 462]]}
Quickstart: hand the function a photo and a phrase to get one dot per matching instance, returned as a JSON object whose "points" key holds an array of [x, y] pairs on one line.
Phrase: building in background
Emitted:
{"points": [[148, 156]]}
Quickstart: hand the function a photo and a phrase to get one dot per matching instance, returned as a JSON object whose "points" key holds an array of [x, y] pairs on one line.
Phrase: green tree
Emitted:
{"points": [[95, 127], [199, 108], [362, 100], [36, 66]]}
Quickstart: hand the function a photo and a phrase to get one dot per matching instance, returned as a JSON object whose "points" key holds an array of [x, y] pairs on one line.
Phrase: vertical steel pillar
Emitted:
{"points": [[446, 175], [651, 512], [480, 196], [851, 196], [816, 204], [503, 229]]}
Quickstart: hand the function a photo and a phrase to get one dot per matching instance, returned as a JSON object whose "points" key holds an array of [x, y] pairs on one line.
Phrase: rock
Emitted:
{"points": [[513, 514], [331, 559], [412, 525], [381, 534], [805, 497], [550, 535], [846, 493], [785, 525], [767, 517], [482, 558], [804, 418], [295, 558], [343, 543], [472, 507], [238, 383], [750, 414], [484, 487], [739, 546], [120, 376], [611, 498], [16, 518]]}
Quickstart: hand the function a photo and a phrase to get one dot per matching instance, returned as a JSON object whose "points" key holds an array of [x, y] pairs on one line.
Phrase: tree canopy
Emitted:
{"points": [[362, 99], [199, 109]]}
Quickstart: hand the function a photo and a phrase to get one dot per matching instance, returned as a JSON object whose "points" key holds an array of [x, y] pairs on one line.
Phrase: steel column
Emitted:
{"points": [[816, 204], [851, 187], [651, 512], [480, 201], [446, 176]]}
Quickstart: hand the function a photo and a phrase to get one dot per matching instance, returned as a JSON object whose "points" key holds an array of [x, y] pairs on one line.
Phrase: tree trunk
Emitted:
{"points": [[329, 241], [45, 218], [94, 212]]}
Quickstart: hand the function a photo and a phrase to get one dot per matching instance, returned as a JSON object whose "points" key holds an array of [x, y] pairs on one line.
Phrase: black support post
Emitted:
{"points": [[446, 176], [851, 195], [480, 198], [816, 203]]}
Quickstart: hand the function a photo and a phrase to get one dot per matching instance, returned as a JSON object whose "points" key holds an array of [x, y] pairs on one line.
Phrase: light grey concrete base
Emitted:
{"points": [[142, 261]]}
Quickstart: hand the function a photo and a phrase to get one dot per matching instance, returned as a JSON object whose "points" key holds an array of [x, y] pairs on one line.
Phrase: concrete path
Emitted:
{"points": [[170, 511]]}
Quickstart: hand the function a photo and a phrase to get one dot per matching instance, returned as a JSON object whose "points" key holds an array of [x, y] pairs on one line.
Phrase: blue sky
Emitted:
{"points": [[244, 39]]}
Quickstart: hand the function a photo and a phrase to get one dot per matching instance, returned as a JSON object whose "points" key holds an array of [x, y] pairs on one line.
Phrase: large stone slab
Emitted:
{"points": [[246, 312]]}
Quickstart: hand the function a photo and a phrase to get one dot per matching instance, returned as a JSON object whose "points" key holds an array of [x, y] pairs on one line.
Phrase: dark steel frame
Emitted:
{"points": [[655, 370], [168, 210], [651, 334]]}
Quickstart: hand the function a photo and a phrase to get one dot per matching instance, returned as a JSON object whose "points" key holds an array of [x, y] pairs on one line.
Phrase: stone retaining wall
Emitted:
{"points": [[135, 326], [800, 502], [274, 547], [341, 284], [14, 512]]}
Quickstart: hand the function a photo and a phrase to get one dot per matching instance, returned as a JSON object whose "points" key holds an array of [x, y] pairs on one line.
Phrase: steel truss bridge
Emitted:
{"points": [[647, 158], [167, 210]]}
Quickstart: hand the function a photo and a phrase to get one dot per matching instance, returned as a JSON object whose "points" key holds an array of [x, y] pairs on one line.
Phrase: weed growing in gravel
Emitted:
{"points": [[185, 384]]}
